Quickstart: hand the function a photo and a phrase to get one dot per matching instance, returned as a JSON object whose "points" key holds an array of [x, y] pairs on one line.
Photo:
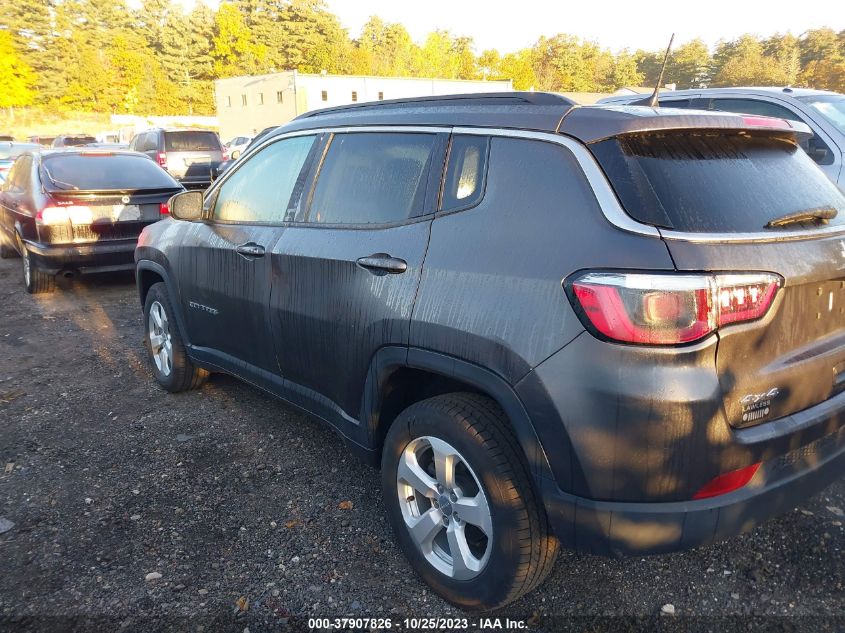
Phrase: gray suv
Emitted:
{"points": [[619, 330], [190, 156], [822, 111]]}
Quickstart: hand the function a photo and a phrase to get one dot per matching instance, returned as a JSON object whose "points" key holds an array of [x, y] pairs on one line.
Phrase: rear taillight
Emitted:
{"points": [[668, 309], [162, 159], [163, 209], [727, 482], [224, 154], [53, 215]]}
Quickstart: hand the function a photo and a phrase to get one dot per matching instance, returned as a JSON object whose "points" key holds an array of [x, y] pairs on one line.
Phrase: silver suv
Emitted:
{"points": [[823, 111], [189, 156]]}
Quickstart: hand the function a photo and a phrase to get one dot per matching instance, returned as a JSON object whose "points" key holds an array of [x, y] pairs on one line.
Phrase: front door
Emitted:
{"points": [[225, 263], [346, 273]]}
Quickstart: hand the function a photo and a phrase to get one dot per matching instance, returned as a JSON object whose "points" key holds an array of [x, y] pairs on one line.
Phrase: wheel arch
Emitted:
{"points": [[391, 365], [148, 273]]}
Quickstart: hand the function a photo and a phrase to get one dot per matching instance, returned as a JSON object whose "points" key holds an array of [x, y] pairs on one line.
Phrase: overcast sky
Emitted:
{"points": [[615, 24]]}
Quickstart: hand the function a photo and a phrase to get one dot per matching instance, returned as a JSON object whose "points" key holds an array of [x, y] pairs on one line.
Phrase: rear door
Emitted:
{"points": [[346, 273], [224, 263], [713, 196]]}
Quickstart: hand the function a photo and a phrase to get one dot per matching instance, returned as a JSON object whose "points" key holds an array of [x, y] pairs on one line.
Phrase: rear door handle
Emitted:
{"points": [[250, 249], [383, 262]]}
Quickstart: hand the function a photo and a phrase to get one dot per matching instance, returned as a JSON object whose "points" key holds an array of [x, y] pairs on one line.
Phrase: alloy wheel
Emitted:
{"points": [[161, 344], [444, 508]]}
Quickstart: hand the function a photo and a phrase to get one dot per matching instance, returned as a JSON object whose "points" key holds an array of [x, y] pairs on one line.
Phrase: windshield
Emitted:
{"points": [[831, 107], [709, 182], [103, 172]]}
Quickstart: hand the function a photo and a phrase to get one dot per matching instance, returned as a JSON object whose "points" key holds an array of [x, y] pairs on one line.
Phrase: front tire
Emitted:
{"points": [[461, 502], [172, 367], [34, 280]]}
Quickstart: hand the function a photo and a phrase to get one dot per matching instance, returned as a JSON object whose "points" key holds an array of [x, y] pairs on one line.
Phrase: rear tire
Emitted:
{"points": [[490, 486], [35, 281], [172, 367]]}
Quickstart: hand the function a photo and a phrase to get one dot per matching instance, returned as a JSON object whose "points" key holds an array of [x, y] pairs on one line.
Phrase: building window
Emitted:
{"points": [[324, 95], [228, 102], [354, 96], [380, 95], [243, 99], [280, 96], [260, 98]]}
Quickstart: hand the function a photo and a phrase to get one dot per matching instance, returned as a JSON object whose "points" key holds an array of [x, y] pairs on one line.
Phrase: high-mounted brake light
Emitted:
{"points": [[162, 159], [163, 209], [727, 482], [668, 309], [766, 121]]}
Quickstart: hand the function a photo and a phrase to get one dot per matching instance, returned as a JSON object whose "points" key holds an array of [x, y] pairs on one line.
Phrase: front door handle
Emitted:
{"points": [[383, 262], [250, 249]]}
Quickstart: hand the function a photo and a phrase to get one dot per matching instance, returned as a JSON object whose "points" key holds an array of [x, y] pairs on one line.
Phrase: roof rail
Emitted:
{"points": [[472, 99]]}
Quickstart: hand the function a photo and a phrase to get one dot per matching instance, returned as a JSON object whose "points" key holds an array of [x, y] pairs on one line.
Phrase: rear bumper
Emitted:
{"points": [[114, 255], [623, 528]]}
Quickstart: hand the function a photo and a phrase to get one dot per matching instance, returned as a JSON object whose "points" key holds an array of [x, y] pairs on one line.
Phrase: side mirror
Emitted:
{"points": [[186, 205], [236, 154]]}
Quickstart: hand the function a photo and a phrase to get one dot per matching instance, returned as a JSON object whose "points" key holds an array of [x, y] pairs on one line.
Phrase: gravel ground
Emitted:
{"points": [[223, 509]]}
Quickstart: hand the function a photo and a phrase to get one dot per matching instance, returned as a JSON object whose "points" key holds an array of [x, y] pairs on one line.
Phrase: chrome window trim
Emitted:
{"points": [[608, 202]]}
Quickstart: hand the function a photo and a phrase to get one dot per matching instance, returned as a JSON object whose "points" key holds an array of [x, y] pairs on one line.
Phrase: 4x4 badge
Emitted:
{"points": [[756, 406]]}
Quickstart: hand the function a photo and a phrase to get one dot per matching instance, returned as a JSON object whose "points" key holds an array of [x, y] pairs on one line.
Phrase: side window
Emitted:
{"points": [[23, 169], [465, 172], [675, 103], [753, 106], [373, 178], [265, 187]]}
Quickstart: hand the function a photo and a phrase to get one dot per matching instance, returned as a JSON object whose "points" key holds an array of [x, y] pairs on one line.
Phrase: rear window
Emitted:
{"points": [[715, 183], [191, 142], [103, 172], [73, 141]]}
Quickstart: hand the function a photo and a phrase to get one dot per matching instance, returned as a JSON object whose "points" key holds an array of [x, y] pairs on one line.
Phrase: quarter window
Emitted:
{"points": [[373, 178], [464, 185], [262, 189]]}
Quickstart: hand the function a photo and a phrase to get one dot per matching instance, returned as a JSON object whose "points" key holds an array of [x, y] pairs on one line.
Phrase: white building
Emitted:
{"points": [[246, 105]]}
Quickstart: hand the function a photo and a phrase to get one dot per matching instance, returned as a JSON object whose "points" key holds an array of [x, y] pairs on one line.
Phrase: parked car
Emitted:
{"points": [[617, 329], [45, 141], [822, 111], [9, 151], [78, 211], [237, 145], [233, 156], [187, 155], [73, 140]]}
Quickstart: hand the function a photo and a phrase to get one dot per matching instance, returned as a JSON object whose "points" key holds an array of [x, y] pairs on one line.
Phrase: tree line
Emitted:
{"points": [[106, 56]]}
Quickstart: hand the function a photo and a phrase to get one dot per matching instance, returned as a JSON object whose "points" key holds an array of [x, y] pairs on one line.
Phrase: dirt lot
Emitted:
{"points": [[237, 501]]}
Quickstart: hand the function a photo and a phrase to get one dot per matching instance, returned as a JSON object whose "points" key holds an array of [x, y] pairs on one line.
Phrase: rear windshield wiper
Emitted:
{"points": [[59, 183], [822, 214]]}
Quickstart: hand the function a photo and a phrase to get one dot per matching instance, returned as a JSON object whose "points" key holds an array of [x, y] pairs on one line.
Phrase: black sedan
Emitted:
{"points": [[79, 211]]}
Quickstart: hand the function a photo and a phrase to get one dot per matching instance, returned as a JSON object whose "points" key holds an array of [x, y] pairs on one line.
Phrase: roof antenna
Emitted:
{"points": [[653, 101]]}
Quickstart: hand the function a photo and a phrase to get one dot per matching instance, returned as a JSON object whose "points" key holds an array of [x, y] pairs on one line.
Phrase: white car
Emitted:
{"points": [[237, 144]]}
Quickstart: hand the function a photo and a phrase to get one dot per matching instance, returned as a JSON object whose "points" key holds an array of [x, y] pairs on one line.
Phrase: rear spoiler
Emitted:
{"points": [[591, 124]]}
